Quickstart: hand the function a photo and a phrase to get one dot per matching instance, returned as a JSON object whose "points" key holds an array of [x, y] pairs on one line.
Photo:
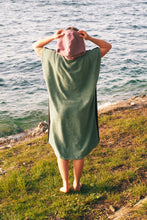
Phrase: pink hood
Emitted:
{"points": [[71, 45]]}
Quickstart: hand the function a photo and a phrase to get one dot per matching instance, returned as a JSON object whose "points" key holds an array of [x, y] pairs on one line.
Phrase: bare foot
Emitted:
{"points": [[77, 187], [64, 189]]}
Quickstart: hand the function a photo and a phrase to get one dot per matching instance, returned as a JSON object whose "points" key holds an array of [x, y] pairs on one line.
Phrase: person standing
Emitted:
{"points": [[71, 74]]}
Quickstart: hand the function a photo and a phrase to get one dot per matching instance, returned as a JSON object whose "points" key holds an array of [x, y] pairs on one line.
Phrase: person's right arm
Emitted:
{"points": [[103, 45], [38, 45]]}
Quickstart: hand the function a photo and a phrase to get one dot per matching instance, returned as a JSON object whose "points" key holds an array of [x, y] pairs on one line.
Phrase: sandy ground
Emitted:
{"points": [[135, 102]]}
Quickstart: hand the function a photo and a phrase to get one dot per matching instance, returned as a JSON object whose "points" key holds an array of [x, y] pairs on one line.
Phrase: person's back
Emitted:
{"points": [[72, 101], [71, 74]]}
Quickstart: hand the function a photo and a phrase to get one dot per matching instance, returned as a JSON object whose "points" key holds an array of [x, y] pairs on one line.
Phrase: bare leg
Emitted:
{"points": [[78, 170], [63, 168]]}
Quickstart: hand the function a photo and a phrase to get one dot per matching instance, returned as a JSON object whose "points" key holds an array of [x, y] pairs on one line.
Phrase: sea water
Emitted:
{"points": [[23, 93]]}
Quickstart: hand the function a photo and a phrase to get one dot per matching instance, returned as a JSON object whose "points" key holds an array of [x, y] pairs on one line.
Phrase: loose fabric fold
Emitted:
{"points": [[73, 106]]}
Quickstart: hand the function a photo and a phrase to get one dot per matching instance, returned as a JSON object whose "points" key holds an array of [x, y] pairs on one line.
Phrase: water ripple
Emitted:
{"points": [[123, 70]]}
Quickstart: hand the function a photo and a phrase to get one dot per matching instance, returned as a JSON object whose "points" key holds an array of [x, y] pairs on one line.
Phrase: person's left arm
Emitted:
{"points": [[103, 45], [38, 45]]}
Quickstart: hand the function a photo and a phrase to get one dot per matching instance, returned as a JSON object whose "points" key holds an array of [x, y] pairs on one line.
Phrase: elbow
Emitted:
{"points": [[105, 50], [109, 47]]}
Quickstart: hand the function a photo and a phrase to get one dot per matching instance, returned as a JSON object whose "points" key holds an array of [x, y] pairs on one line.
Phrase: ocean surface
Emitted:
{"points": [[23, 94]]}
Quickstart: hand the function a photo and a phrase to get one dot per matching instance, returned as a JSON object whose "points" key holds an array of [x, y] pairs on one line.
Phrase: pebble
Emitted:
{"points": [[2, 172], [132, 103], [112, 208]]}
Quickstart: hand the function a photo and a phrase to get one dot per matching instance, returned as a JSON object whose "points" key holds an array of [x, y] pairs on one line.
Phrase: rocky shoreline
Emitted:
{"points": [[136, 102], [27, 135]]}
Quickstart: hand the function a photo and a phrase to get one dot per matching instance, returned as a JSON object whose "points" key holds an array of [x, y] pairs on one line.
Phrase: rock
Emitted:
{"points": [[142, 96], [134, 97], [41, 129], [112, 208], [2, 172], [132, 103], [124, 212], [2, 141], [43, 126], [13, 141]]}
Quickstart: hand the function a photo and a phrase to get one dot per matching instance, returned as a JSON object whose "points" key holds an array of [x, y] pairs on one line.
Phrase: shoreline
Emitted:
{"points": [[135, 102]]}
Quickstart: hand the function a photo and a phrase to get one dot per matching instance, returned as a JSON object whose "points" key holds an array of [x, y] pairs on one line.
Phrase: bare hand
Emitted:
{"points": [[58, 34], [84, 34]]}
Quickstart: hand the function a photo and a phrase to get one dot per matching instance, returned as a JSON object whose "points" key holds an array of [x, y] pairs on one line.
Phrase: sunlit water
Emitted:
{"points": [[23, 94]]}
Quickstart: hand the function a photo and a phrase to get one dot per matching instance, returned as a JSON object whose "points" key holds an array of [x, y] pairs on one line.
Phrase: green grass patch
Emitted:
{"points": [[114, 174]]}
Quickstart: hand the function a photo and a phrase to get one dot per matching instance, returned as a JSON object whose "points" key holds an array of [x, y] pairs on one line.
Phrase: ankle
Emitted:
{"points": [[65, 184], [75, 183], [77, 186]]}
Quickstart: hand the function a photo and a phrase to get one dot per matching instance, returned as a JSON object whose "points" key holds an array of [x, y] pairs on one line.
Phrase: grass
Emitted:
{"points": [[114, 174], [140, 213]]}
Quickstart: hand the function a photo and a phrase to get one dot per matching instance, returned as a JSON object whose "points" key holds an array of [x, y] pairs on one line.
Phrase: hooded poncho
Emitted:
{"points": [[71, 87]]}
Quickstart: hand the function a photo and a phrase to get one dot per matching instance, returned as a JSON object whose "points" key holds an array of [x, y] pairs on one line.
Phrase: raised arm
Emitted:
{"points": [[103, 45], [38, 45]]}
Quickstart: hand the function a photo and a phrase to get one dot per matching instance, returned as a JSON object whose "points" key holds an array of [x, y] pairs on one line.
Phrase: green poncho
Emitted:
{"points": [[72, 101]]}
